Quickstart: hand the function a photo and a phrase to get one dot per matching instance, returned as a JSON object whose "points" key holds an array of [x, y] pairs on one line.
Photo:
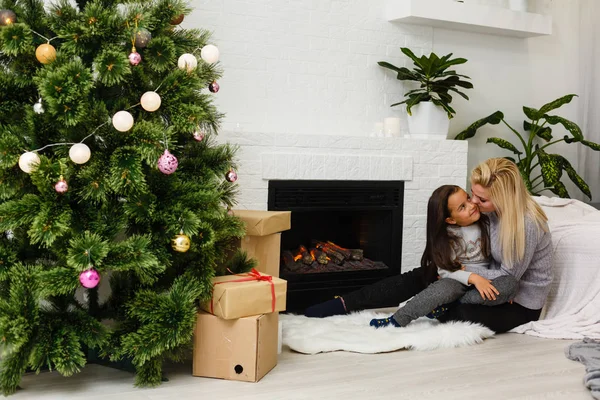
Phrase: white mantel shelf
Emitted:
{"points": [[449, 14]]}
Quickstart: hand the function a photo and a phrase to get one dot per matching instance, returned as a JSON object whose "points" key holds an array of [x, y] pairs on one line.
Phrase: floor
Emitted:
{"points": [[509, 366]]}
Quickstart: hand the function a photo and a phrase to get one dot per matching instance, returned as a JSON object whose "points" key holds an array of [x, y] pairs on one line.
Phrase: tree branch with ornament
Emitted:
{"points": [[110, 176]]}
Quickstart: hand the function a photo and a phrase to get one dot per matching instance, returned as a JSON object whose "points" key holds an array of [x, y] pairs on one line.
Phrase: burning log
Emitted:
{"points": [[356, 254], [289, 261], [305, 255], [320, 256], [345, 252], [335, 256]]}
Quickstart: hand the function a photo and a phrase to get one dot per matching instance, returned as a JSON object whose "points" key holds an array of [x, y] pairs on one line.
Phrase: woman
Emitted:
{"points": [[457, 243], [520, 243]]}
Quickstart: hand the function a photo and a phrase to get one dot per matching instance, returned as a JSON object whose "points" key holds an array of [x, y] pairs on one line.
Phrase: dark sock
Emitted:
{"points": [[326, 309], [380, 323]]}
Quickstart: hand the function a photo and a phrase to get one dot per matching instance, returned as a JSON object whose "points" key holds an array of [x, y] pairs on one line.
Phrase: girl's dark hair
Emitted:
{"points": [[440, 243]]}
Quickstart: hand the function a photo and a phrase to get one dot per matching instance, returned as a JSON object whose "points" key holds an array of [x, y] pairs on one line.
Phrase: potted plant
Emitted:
{"points": [[537, 138], [428, 106]]}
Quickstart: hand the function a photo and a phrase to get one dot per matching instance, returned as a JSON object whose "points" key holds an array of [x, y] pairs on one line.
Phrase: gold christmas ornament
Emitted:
{"points": [[181, 243], [45, 53], [8, 17], [177, 19]]}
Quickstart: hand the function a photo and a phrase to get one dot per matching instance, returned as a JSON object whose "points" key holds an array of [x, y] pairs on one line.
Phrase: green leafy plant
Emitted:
{"points": [[537, 138], [434, 79]]}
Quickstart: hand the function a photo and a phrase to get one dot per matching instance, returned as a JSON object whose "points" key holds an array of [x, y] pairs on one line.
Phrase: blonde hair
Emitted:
{"points": [[508, 194]]}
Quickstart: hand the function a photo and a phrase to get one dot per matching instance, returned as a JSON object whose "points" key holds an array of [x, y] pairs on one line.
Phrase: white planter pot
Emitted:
{"points": [[518, 5], [428, 121]]}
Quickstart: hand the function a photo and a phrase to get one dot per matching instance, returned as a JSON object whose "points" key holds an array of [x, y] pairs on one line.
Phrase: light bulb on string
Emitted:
{"points": [[187, 62], [150, 101], [29, 161], [210, 53], [122, 121], [79, 153]]}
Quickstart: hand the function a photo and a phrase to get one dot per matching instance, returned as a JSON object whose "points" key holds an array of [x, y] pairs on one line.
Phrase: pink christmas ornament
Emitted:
{"points": [[135, 58], [89, 278], [61, 186], [167, 163], [199, 136], [214, 87], [231, 176]]}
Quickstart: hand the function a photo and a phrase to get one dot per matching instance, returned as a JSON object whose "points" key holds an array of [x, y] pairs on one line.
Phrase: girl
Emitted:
{"points": [[457, 239], [520, 243]]}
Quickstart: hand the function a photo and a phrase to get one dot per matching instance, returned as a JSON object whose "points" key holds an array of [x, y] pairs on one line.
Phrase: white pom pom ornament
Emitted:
{"points": [[210, 53], [150, 101], [79, 153], [29, 161], [122, 121], [187, 62]]}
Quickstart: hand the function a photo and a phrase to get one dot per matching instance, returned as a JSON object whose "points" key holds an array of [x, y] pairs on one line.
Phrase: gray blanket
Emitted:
{"points": [[588, 353]]}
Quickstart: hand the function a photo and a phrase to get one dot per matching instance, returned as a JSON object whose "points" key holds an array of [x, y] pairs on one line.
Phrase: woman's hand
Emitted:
{"points": [[484, 287]]}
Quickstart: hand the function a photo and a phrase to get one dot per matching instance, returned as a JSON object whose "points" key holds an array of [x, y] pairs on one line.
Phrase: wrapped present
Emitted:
{"points": [[237, 296], [243, 349], [263, 238]]}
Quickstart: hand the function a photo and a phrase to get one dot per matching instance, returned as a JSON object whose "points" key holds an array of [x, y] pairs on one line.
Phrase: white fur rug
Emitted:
{"points": [[353, 333]]}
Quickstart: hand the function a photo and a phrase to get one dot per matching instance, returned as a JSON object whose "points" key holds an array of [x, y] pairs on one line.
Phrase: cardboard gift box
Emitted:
{"points": [[242, 349], [237, 296], [263, 238]]}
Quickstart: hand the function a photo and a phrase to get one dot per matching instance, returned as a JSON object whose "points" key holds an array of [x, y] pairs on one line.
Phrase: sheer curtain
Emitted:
{"points": [[589, 92]]}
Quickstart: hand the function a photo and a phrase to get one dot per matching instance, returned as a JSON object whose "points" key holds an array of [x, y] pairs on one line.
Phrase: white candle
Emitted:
{"points": [[391, 126], [517, 5]]}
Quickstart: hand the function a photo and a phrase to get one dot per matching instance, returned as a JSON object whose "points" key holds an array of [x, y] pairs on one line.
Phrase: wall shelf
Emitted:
{"points": [[448, 14]]}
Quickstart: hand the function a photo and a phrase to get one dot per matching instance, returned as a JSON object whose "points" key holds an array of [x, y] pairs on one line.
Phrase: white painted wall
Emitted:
{"points": [[306, 66], [509, 73], [309, 66]]}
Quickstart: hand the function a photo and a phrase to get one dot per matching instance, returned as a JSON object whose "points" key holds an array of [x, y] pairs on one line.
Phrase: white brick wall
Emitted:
{"points": [[307, 66], [422, 164]]}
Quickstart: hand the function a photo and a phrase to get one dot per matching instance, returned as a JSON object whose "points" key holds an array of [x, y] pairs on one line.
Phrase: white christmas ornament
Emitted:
{"points": [[210, 53], [122, 121], [187, 62], [150, 101], [29, 161], [38, 108], [79, 153]]}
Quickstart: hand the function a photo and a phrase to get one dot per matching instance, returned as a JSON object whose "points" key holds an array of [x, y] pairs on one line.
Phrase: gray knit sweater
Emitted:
{"points": [[534, 271]]}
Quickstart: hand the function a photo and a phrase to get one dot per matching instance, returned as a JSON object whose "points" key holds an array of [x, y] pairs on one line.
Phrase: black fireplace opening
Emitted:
{"points": [[344, 235]]}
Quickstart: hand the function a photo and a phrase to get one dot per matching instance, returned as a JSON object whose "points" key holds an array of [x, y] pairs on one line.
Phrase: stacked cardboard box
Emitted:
{"points": [[263, 237], [237, 333]]}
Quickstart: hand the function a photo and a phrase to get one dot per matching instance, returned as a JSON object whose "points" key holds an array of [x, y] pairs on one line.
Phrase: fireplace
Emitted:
{"points": [[344, 235]]}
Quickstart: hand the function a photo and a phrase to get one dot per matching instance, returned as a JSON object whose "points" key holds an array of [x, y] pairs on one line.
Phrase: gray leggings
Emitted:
{"points": [[447, 290]]}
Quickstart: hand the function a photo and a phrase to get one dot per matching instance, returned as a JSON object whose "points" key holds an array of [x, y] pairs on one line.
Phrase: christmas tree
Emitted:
{"points": [[111, 180]]}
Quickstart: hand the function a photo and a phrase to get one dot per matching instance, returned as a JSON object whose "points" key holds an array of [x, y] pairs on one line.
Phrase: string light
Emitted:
{"points": [[150, 101]]}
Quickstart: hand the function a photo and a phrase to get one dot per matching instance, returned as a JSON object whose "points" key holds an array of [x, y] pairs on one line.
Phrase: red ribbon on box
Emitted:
{"points": [[253, 275]]}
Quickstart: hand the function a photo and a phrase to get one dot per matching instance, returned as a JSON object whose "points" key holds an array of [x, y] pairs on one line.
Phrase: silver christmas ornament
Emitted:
{"points": [[142, 37]]}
